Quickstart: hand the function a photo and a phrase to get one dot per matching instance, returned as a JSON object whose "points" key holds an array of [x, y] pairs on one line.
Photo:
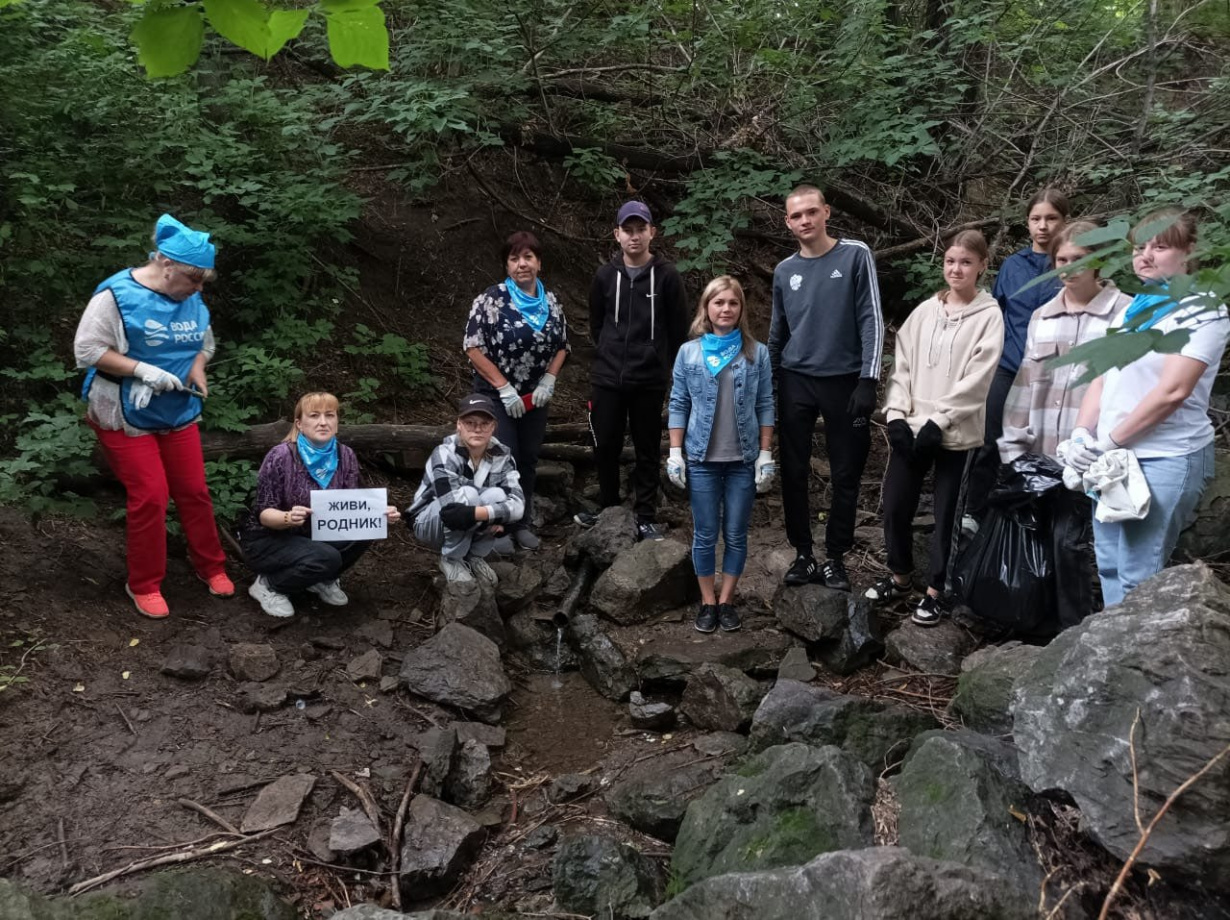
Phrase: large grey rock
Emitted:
{"points": [[494, 736], [958, 803], [602, 663], [860, 644], [648, 578], [436, 747], [468, 784], [868, 729], [983, 700], [605, 878], [650, 716], [1208, 537], [720, 698], [796, 666], [352, 831], [517, 587], [458, 667], [614, 533], [440, 843], [881, 883], [1163, 653], [938, 649], [278, 803], [666, 659], [654, 796], [472, 604], [781, 808], [812, 612], [252, 662]]}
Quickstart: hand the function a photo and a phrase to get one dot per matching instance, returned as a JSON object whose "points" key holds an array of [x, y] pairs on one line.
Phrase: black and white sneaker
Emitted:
{"points": [[834, 575], [648, 530], [585, 518], [928, 611], [803, 570], [886, 590]]}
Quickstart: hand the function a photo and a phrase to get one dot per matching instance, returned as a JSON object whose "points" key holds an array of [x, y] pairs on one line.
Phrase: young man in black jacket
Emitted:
{"points": [[638, 318]]}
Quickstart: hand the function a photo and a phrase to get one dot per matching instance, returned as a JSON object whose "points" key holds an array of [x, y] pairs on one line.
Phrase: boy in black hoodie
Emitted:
{"points": [[638, 318]]}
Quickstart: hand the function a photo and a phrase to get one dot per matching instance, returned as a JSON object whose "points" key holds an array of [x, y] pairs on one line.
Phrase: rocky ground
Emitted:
{"points": [[477, 752]]}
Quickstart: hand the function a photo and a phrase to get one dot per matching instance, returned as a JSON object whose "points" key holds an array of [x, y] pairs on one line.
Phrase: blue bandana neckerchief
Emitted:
{"points": [[720, 350], [533, 309], [1142, 302], [321, 462]]}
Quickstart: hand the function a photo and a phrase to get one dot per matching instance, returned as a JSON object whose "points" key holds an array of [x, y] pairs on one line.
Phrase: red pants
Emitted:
{"points": [[152, 468]]}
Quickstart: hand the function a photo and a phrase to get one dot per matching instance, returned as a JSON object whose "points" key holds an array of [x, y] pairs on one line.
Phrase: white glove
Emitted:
{"points": [[156, 379], [512, 401], [677, 468], [766, 469], [544, 391], [140, 394], [1082, 450]]}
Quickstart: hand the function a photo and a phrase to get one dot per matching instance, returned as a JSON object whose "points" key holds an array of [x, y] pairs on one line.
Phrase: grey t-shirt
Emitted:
{"points": [[635, 271], [724, 435]]}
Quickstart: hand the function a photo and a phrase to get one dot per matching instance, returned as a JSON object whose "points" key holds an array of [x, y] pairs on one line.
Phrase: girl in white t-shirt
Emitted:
{"points": [[1157, 407]]}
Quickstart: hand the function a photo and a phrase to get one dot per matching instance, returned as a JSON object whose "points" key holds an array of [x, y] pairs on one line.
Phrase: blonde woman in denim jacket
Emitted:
{"points": [[720, 416]]}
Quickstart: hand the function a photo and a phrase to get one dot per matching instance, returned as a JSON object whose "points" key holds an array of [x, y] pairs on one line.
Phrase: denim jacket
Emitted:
{"points": [[694, 397]]}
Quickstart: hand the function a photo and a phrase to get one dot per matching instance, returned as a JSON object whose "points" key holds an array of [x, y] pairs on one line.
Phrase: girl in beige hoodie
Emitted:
{"points": [[935, 404]]}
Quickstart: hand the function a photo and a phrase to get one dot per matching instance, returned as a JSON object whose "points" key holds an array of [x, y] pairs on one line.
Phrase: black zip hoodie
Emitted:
{"points": [[636, 326]]}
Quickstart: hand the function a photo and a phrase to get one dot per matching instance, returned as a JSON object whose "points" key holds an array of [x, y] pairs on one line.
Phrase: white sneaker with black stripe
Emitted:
{"points": [[928, 612]]}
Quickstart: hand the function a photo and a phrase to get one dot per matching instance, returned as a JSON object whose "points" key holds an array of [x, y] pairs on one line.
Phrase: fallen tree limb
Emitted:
{"points": [[395, 839], [365, 799]]}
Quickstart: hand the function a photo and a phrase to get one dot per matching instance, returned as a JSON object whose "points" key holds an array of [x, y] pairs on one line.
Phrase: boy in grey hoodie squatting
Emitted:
{"points": [[638, 318], [826, 339]]}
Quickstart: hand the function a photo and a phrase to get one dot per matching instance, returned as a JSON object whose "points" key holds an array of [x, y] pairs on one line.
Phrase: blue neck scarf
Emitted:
{"points": [[1142, 302], [720, 350], [533, 309], [321, 462]]}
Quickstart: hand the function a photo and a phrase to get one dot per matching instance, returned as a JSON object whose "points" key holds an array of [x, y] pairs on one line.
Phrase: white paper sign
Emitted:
{"points": [[341, 515]]}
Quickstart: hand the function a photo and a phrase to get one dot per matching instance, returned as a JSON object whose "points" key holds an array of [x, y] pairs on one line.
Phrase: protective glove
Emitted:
{"points": [[544, 391], [677, 468], [512, 401], [1082, 450], [140, 394], [766, 469], [158, 380], [928, 439], [863, 400], [456, 516], [901, 437]]}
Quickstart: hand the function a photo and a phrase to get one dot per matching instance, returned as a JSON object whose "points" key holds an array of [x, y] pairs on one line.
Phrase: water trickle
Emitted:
{"points": [[556, 684]]}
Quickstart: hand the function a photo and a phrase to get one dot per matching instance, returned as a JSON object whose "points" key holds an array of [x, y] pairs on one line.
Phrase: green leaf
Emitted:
{"points": [[1114, 232], [1119, 349], [357, 35], [242, 22], [283, 26], [4, 3], [168, 40]]}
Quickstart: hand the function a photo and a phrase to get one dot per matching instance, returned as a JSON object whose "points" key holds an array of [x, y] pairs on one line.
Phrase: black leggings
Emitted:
{"points": [[902, 488]]}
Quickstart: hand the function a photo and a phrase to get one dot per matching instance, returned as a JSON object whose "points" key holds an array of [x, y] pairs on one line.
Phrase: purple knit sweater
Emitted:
{"points": [[284, 481]]}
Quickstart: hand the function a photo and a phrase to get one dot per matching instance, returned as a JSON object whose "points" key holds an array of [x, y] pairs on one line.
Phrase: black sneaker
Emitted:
{"points": [[886, 590], [728, 617], [648, 530], [707, 618], [928, 611], [585, 519], [834, 575], [802, 571]]}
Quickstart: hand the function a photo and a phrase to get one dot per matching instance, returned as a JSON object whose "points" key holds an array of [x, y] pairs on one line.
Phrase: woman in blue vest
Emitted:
{"points": [[720, 416], [146, 339]]}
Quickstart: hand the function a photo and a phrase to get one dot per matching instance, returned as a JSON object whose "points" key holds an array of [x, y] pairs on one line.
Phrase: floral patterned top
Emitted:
{"points": [[498, 329]]}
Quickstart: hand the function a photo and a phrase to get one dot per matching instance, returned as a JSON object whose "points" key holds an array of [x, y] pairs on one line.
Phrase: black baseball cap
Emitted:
{"points": [[633, 210], [476, 403]]}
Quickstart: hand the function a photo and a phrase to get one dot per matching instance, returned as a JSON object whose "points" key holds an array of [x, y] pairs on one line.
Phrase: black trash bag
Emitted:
{"points": [[1006, 574]]}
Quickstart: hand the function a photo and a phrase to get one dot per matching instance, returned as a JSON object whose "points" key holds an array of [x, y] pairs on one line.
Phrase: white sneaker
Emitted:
{"points": [[482, 571], [273, 603], [455, 570], [331, 593]]}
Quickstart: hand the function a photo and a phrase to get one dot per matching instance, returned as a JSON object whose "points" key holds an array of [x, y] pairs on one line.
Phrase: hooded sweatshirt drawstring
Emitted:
{"points": [[943, 324], [653, 307], [619, 277]]}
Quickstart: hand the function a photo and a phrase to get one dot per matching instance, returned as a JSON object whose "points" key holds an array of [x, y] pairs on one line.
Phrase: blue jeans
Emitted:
{"points": [[721, 495], [1131, 551]]}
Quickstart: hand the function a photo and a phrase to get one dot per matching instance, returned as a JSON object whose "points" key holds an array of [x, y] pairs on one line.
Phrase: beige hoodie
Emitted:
{"points": [[943, 367]]}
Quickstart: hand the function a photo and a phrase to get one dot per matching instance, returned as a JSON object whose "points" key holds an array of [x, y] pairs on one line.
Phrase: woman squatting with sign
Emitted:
{"points": [[277, 541]]}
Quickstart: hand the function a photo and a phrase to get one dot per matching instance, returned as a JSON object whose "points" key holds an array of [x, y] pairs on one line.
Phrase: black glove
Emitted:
{"points": [[456, 516], [863, 400], [901, 437], [928, 440]]}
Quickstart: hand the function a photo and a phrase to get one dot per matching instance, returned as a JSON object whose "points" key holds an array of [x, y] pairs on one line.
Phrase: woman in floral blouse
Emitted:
{"points": [[517, 340]]}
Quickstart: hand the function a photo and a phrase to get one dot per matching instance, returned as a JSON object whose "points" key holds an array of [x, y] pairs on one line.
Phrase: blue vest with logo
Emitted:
{"points": [[161, 331]]}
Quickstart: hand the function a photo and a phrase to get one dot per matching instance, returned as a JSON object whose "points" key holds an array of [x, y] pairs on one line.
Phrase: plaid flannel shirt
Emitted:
{"points": [[1042, 405], [449, 468]]}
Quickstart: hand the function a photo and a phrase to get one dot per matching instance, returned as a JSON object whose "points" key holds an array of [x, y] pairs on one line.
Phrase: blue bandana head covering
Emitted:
{"points": [[720, 350], [534, 309], [181, 243], [321, 462], [1147, 302]]}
